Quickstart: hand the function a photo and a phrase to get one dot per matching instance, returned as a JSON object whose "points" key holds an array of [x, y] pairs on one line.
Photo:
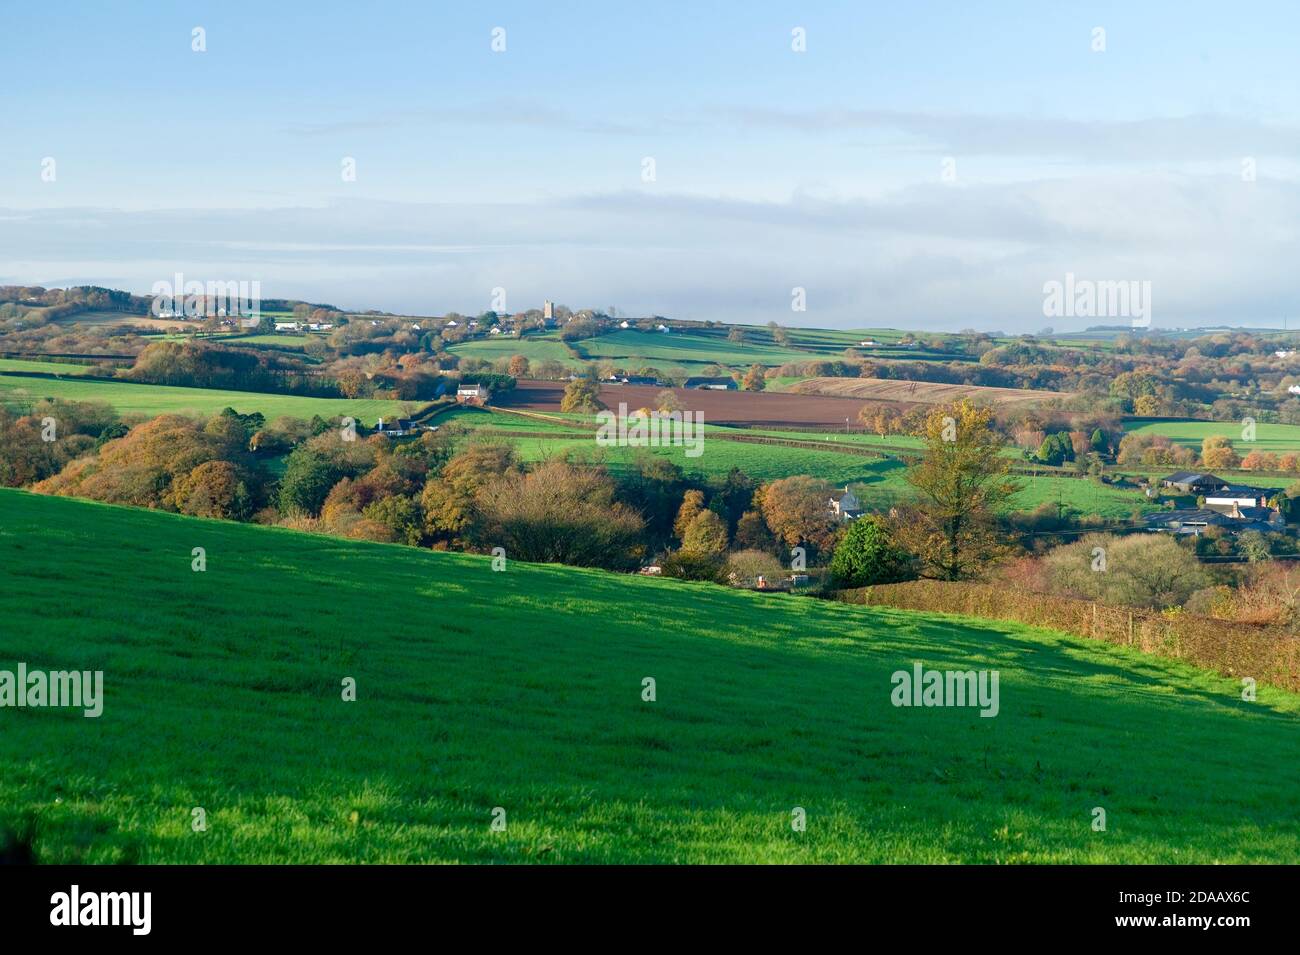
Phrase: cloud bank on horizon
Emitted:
{"points": [[921, 168]]}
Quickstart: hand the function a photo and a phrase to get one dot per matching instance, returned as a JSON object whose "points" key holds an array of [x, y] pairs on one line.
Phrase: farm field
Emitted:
{"points": [[1276, 438], [781, 382], [583, 424], [879, 480], [920, 392], [534, 348], [287, 342], [568, 424], [484, 689], [658, 347], [52, 367], [761, 462], [718, 407], [830, 343], [841, 338], [118, 318], [154, 400]]}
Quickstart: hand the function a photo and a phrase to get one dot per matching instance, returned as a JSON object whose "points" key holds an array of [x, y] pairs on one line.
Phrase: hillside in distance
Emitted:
{"points": [[518, 695]]}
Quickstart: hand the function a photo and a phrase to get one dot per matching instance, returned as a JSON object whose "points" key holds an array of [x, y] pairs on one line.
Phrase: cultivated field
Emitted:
{"points": [[918, 392], [154, 400], [119, 318], [479, 689], [718, 407]]}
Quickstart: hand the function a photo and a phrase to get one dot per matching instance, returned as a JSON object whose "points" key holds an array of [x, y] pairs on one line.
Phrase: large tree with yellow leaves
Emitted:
{"points": [[961, 483]]}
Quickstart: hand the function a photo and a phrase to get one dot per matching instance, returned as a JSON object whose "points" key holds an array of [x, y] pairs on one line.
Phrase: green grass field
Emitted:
{"points": [[523, 690], [53, 367], [761, 462], [881, 480], [153, 400], [275, 342], [781, 382], [534, 348], [1277, 438], [658, 348]]}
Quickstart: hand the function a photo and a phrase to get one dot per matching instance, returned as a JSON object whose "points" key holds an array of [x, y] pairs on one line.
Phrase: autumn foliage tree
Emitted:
{"points": [[797, 511], [692, 504], [558, 513], [582, 395], [703, 551], [213, 489], [1140, 570], [154, 465], [1260, 461], [961, 484], [1217, 452], [30, 451], [666, 402], [449, 500]]}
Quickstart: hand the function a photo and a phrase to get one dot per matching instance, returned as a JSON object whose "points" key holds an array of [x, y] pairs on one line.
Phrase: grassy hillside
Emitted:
{"points": [[534, 348], [153, 400], [51, 367], [1277, 438], [685, 347], [522, 690]]}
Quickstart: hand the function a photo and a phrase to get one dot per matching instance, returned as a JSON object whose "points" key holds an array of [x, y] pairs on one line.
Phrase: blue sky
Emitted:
{"points": [[773, 168]]}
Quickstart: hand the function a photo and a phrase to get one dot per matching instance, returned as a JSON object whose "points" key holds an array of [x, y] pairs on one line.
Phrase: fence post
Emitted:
{"points": [[1130, 628]]}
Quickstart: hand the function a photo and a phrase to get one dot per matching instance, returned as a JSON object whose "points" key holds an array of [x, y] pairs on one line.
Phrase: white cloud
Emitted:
{"points": [[1215, 249]]}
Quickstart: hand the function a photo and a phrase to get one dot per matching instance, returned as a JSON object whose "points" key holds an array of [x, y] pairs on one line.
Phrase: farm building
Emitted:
{"points": [[472, 394], [845, 505], [632, 380], [1193, 482], [395, 427], [712, 384], [1240, 495], [1196, 521]]}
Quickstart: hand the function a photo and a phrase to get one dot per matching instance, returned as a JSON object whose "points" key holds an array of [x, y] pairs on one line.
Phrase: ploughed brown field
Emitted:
{"points": [[718, 407], [766, 409], [919, 392]]}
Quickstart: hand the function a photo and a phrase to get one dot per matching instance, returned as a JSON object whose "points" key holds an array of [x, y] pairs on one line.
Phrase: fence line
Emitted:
{"points": [[1266, 654]]}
